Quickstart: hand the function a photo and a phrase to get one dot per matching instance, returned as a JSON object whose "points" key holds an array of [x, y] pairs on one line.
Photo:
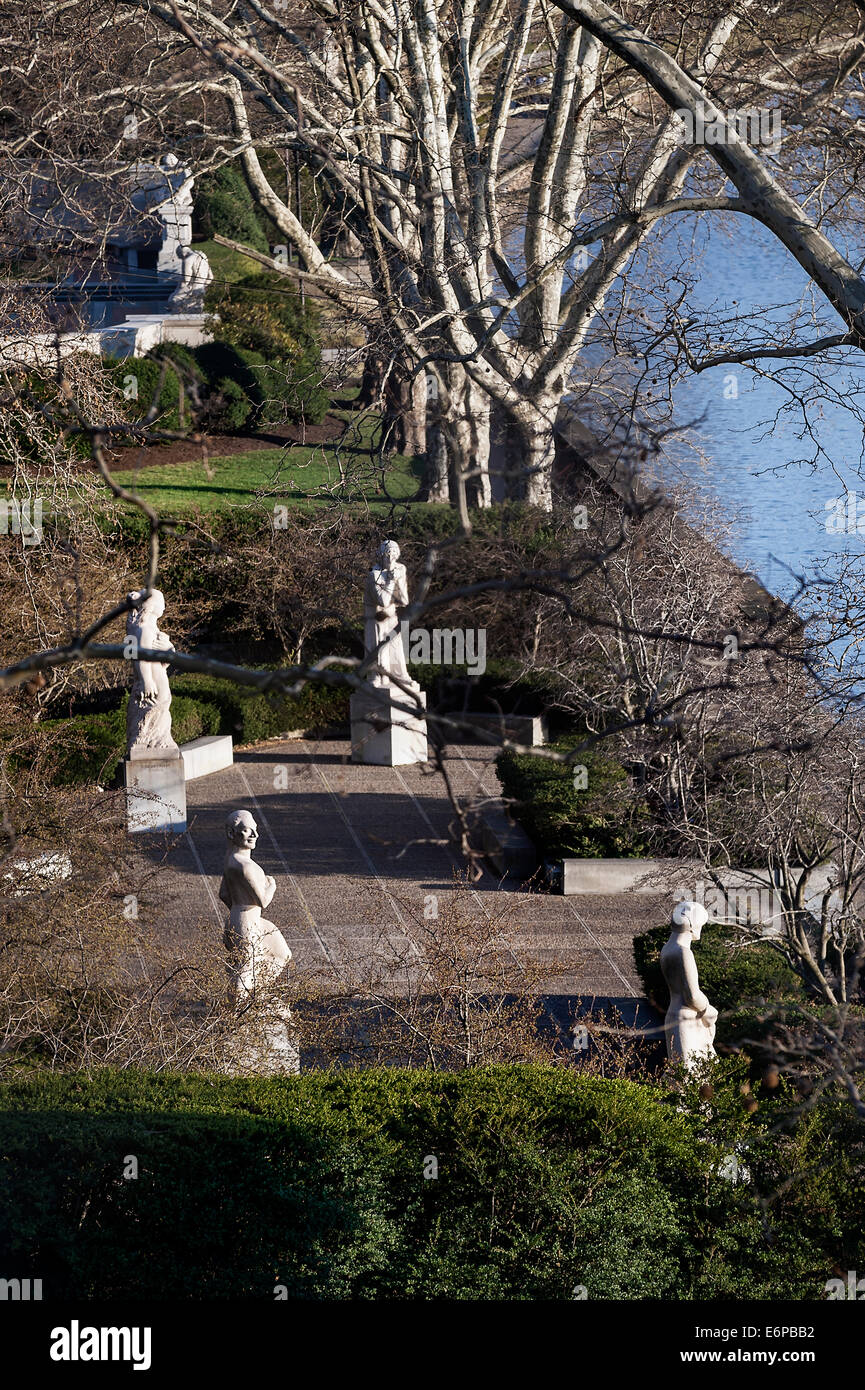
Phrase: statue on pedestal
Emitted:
{"points": [[259, 951], [148, 717], [690, 1021], [388, 724]]}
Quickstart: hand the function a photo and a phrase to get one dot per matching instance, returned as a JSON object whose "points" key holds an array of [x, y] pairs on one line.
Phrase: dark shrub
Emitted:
{"points": [[144, 380], [263, 314], [252, 717], [603, 821], [90, 747], [546, 1182], [729, 974]]}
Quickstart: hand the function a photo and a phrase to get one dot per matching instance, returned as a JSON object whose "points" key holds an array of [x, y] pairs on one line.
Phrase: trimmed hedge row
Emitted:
{"points": [[91, 747], [504, 684], [502, 1183], [252, 717], [600, 822]]}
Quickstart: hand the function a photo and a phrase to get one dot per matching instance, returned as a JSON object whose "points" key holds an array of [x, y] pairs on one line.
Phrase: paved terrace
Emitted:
{"points": [[355, 850]]}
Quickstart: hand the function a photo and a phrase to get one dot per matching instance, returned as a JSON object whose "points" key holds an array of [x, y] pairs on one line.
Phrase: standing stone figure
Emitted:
{"points": [[259, 951], [148, 717], [690, 1021], [388, 723], [385, 592]]}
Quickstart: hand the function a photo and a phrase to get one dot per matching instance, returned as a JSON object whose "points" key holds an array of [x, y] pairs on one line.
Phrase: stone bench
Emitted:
{"points": [[201, 756], [528, 729]]}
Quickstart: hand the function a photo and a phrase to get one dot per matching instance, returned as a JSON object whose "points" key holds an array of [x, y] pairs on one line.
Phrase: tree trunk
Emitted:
{"points": [[387, 384], [531, 454], [458, 441], [437, 456]]}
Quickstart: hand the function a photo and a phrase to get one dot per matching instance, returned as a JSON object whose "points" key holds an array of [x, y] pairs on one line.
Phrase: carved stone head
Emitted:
{"points": [[241, 829], [152, 606], [388, 553], [691, 915]]}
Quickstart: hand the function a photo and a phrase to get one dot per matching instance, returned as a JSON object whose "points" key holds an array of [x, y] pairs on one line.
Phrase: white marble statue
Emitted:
{"points": [[690, 1021], [148, 717], [196, 276], [259, 951], [385, 592]]}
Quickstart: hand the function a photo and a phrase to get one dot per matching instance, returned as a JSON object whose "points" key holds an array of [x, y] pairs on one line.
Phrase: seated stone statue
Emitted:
{"points": [[196, 275], [690, 1021], [259, 952]]}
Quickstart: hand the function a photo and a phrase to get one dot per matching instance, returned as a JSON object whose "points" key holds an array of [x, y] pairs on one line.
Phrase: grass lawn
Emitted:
{"points": [[292, 474], [298, 475]]}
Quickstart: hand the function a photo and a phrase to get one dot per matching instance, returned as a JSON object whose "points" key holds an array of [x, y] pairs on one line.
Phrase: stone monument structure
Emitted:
{"points": [[384, 728], [690, 1020], [154, 774], [258, 952]]}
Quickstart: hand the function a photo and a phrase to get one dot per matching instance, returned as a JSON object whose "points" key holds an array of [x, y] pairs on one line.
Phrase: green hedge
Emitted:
{"points": [[601, 822], [546, 1181], [90, 747], [252, 717], [504, 684], [276, 336], [224, 205], [728, 975], [152, 380]]}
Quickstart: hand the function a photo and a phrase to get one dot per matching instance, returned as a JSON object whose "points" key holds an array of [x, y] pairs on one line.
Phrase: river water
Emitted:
{"points": [[782, 488]]}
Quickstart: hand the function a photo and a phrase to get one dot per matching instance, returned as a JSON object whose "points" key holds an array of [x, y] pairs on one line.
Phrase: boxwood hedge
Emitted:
{"points": [[90, 747], [602, 821], [525, 1182]]}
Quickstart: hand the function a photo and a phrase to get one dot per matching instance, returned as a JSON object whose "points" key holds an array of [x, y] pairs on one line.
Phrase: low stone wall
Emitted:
{"points": [[528, 729], [727, 894], [201, 756], [134, 337]]}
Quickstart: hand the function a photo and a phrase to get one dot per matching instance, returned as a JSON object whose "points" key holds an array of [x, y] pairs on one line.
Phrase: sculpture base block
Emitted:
{"points": [[384, 735], [269, 1048], [155, 795]]}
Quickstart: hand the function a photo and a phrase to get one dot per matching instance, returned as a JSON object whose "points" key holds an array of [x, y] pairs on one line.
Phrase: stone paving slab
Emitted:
{"points": [[356, 850]]}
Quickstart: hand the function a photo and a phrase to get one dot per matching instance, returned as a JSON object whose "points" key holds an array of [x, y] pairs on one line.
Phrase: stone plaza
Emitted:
{"points": [[357, 849]]}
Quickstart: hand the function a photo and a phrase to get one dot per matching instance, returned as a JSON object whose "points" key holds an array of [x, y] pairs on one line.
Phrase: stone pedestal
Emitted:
{"points": [[381, 733], [185, 326], [267, 1047], [155, 794]]}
